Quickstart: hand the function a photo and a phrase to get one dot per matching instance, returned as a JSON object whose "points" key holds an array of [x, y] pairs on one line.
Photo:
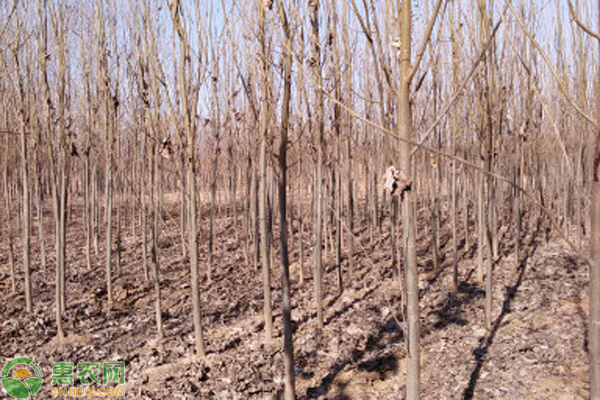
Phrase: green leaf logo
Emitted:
{"points": [[21, 383]]}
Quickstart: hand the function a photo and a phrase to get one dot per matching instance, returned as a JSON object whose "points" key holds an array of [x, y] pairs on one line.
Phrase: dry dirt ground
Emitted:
{"points": [[536, 349]]}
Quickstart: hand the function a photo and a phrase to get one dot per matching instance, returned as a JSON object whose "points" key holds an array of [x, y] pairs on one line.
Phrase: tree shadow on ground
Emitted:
{"points": [[528, 249], [348, 306], [450, 309], [377, 356], [583, 317], [481, 352], [331, 302]]}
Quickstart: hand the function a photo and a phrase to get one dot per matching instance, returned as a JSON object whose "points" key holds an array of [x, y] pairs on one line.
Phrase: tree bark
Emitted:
{"points": [[48, 116], [214, 167], [25, 216], [594, 321], [318, 196], [405, 128], [288, 342], [190, 135], [8, 215], [262, 191]]}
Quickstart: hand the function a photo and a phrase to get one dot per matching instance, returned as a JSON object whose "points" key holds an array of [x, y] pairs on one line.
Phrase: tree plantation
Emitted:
{"points": [[280, 199]]}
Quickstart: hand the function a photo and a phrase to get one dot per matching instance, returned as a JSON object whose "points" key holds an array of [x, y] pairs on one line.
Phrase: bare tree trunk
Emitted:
{"points": [[48, 116], [350, 201], [255, 218], [88, 210], [214, 167], [8, 217], [412, 279], [39, 204], [454, 133], [65, 147], [465, 205], [288, 342], [144, 226], [108, 213], [109, 137], [594, 321], [183, 207], [150, 175], [119, 185], [480, 224], [301, 223], [318, 196], [118, 238], [489, 162], [96, 210], [193, 249], [337, 173], [63, 229], [518, 211], [190, 135], [25, 216], [436, 179], [262, 195], [154, 215], [246, 214], [131, 194]]}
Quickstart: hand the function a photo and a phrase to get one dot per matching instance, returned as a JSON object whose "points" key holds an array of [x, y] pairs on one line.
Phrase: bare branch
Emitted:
{"points": [[425, 41], [476, 63], [549, 64], [578, 22]]}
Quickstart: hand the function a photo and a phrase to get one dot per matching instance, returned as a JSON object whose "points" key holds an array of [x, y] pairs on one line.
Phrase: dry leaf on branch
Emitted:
{"points": [[395, 179]]}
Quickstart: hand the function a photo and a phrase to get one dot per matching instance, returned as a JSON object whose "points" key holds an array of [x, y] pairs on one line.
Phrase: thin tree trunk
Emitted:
{"points": [[594, 300], [337, 172], [63, 229], [47, 106], [454, 133], [88, 212], [183, 208], [594, 321], [144, 226], [193, 249], [481, 224], [26, 205], [465, 206], [288, 343], [489, 162], [412, 279], [318, 197], [39, 204], [214, 168], [518, 211], [108, 212], [96, 211], [190, 134], [8, 217], [255, 217], [154, 215], [118, 229], [109, 135], [262, 195]]}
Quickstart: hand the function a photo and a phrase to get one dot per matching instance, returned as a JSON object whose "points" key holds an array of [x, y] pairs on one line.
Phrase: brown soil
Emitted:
{"points": [[536, 349]]}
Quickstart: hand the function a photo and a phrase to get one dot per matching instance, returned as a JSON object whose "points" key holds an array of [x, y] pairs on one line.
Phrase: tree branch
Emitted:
{"points": [[446, 109], [415, 66], [578, 22], [552, 70]]}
